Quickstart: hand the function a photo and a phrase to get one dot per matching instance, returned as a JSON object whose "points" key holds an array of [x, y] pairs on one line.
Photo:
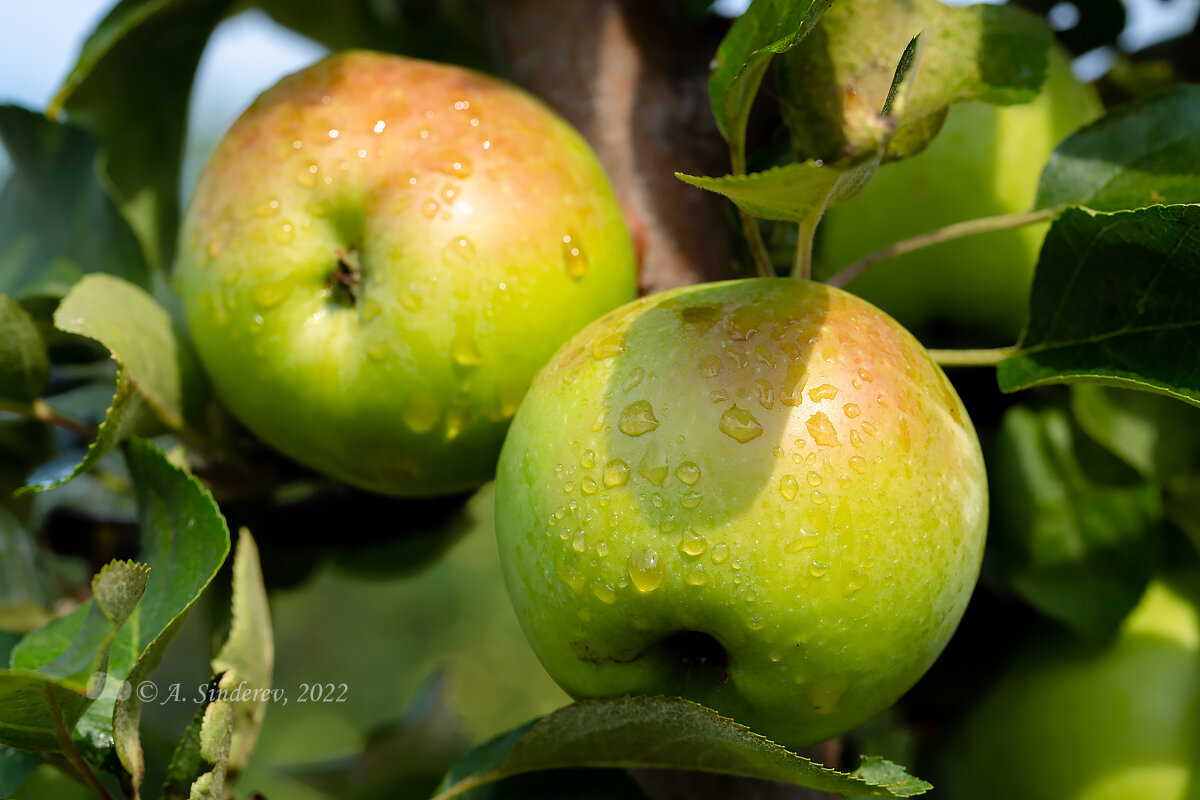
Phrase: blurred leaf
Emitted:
{"points": [[130, 89], [57, 222], [185, 541], [58, 670], [1100, 22], [186, 762], [22, 596], [142, 339], [1182, 503], [1144, 153], [833, 85], [577, 784], [659, 732], [440, 30], [24, 365], [767, 28], [248, 657], [1072, 526], [15, 766], [1158, 436], [401, 759], [1113, 302]]}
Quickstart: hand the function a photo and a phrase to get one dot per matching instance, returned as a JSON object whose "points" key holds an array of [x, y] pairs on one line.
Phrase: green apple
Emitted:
{"points": [[985, 162], [761, 495], [1121, 722], [380, 255]]}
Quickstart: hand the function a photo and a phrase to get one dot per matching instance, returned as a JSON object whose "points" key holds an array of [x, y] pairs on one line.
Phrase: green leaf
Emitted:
{"points": [[142, 339], [24, 365], [1144, 153], [22, 596], [57, 222], [185, 540], [130, 89], [15, 766], [1075, 530], [1157, 436], [59, 669], [186, 761], [1112, 302], [767, 28], [248, 657], [833, 85], [657, 732], [797, 192]]}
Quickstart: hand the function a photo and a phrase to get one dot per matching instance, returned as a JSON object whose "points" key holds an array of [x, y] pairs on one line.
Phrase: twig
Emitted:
{"points": [[69, 749], [984, 357]]}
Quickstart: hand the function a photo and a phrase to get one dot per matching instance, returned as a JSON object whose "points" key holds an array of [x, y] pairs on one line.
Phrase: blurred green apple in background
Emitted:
{"points": [[380, 255], [985, 161], [1121, 722], [760, 495]]}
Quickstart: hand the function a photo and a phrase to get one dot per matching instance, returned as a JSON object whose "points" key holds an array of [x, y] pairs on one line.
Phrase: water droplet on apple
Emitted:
{"points": [[638, 419], [588, 486], [695, 576], [284, 233], [857, 463], [822, 430], [740, 425], [645, 570], [449, 192], [793, 384], [756, 623], [804, 541], [635, 379], [826, 391], [818, 497], [851, 410], [463, 348], [459, 250], [718, 396], [588, 459], [813, 478], [866, 376], [267, 295], [269, 208], [608, 346], [574, 258], [743, 323], [579, 542], [766, 395], [853, 583], [430, 208], [458, 419], [905, 438], [788, 487], [616, 473], [720, 553], [653, 470], [602, 549], [856, 439], [869, 429], [604, 593], [461, 167], [692, 543], [775, 658], [688, 472], [690, 499], [710, 366], [817, 569]]}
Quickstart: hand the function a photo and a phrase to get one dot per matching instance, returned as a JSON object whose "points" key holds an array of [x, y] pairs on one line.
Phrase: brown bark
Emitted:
{"points": [[632, 76]]}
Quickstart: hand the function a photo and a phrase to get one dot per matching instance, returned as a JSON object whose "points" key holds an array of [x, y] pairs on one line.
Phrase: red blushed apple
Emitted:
{"points": [[380, 255]]}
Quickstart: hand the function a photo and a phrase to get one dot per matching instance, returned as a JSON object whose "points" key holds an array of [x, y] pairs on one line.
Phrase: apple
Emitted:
{"points": [[1068, 722], [985, 162], [761, 495], [381, 253]]}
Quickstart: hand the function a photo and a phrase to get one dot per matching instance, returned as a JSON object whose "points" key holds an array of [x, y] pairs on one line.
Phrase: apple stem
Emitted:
{"points": [[982, 357], [805, 235], [347, 275], [40, 410], [956, 231]]}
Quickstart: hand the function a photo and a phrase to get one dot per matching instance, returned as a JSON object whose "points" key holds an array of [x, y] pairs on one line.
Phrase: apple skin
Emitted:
{"points": [[1121, 722], [760, 495], [986, 161], [486, 234]]}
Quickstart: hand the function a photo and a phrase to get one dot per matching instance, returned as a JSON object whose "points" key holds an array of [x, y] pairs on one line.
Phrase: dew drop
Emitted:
{"points": [[866, 376], [692, 543], [604, 593], [695, 576], [602, 549], [720, 553], [788, 487], [579, 542], [817, 569], [269, 208], [588, 486], [461, 167], [609, 346], [652, 471], [688, 472], [793, 385], [756, 623], [284, 233], [857, 463], [710, 366], [740, 425], [856, 438], [851, 410], [905, 438], [718, 395], [690, 499], [743, 323], [459, 250], [818, 497], [463, 348], [430, 208], [645, 570], [821, 430], [267, 295], [588, 459], [616, 473], [766, 395], [826, 391], [574, 258], [814, 479], [635, 379], [458, 419], [804, 541], [869, 429], [601, 418], [637, 419]]}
